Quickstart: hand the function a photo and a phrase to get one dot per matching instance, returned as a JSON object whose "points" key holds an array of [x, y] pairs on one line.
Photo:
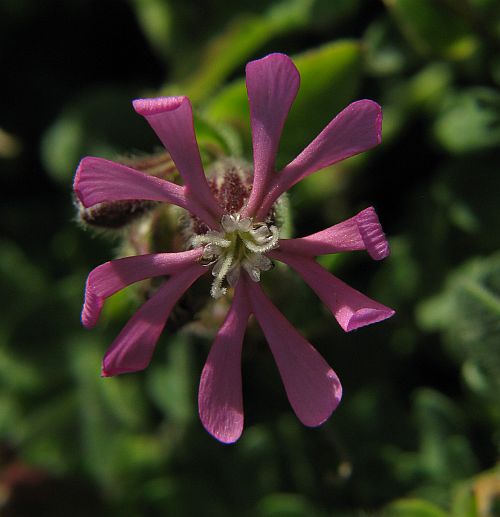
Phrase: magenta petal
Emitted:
{"points": [[351, 308], [363, 231], [106, 279], [312, 387], [272, 85], [355, 129], [172, 120], [220, 399], [98, 180], [133, 348], [344, 236], [372, 234]]}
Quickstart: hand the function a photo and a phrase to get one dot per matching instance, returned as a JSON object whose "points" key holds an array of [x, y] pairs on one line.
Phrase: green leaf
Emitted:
{"points": [[246, 34], [215, 140], [469, 319], [466, 192], [171, 386], [123, 399], [413, 508], [16, 375], [47, 433], [434, 28], [477, 496], [464, 503], [328, 13], [242, 37], [155, 19], [231, 106], [445, 454], [285, 505], [110, 410], [299, 468], [407, 99], [123, 302], [469, 121], [23, 283], [135, 452], [399, 278], [386, 52]]}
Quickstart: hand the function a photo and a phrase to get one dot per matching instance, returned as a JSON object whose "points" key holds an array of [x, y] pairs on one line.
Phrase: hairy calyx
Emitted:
{"points": [[242, 243]]}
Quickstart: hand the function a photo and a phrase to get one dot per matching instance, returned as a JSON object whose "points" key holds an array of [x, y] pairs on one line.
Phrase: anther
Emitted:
{"points": [[241, 245]]}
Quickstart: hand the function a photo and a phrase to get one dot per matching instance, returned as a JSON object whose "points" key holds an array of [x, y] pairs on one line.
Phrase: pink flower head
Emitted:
{"points": [[238, 247]]}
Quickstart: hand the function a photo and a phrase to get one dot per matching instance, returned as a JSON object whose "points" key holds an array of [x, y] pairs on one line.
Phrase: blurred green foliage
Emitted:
{"points": [[418, 430]]}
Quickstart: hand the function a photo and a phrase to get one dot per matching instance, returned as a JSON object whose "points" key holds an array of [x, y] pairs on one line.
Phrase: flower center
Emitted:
{"points": [[242, 243]]}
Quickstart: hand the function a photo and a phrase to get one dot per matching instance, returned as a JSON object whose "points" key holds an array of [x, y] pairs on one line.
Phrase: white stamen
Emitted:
{"points": [[260, 261], [230, 223], [268, 243], [211, 251], [260, 234], [222, 266], [254, 272], [211, 237], [242, 244], [245, 224], [218, 266]]}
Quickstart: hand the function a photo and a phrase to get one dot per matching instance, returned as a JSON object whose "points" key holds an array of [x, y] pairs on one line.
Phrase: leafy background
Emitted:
{"points": [[418, 430]]}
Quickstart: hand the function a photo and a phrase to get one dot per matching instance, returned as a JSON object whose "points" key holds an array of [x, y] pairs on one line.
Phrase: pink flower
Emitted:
{"points": [[239, 247]]}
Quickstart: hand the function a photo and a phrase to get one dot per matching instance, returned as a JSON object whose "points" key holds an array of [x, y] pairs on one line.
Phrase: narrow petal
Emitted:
{"points": [[133, 348], [272, 85], [372, 234], [312, 387], [354, 130], [172, 120], [98, 181], [363, 231], [220, 398], [351, 308], [107, 279]]}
